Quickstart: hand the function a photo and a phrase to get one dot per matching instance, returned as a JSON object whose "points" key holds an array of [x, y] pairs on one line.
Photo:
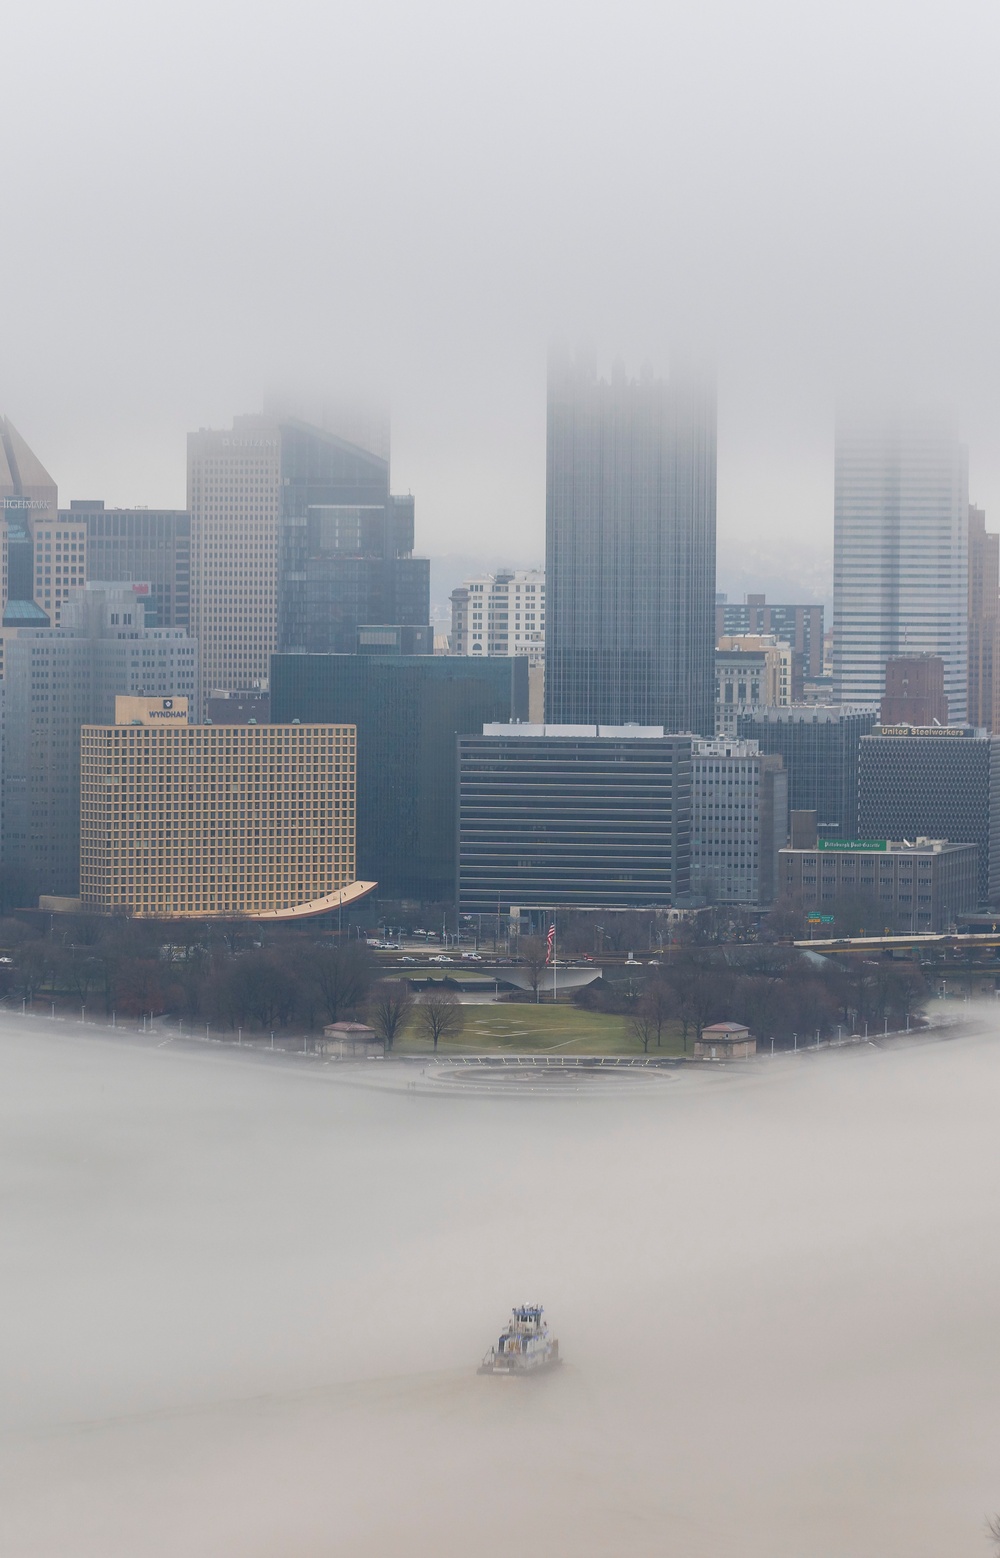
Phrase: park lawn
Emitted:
{"points": [[524, 1028]]}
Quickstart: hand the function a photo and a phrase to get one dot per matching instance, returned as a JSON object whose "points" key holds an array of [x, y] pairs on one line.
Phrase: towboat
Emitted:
{"points": [[525, 1347]]}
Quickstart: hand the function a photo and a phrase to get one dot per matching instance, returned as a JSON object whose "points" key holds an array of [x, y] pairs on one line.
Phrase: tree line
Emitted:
{"points": [[775, 991]]}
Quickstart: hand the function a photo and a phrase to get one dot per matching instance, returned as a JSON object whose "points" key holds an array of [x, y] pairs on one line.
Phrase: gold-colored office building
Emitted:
{"points": [[202, 820]]}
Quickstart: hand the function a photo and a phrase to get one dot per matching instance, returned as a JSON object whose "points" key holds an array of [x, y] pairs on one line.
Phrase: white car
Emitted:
{"points": [[441, 958]]}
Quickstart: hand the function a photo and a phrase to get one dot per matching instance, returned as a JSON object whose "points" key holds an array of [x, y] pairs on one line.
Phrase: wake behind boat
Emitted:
{"points": [[525, 1347]]}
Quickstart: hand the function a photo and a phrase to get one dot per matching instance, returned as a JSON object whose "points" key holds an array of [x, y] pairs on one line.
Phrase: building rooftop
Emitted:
{"points": [[615, 732]]}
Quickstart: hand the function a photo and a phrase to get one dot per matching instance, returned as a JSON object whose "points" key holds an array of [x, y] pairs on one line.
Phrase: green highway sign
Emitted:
{"points": [[820, 919], [843, 844]]}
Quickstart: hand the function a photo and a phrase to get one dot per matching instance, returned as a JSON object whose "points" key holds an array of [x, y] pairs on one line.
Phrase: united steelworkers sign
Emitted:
{"points": [[925, 730]]}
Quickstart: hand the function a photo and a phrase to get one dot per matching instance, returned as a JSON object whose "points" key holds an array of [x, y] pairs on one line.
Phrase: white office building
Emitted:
{"points": [[901, 506], [500, 614]]}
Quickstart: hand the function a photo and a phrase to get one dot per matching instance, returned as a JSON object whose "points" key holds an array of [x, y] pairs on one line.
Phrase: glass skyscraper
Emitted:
{"points": [[630, 550], [900, 584]]}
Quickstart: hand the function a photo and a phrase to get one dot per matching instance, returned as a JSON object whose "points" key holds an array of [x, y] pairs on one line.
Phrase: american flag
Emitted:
{"points": [[550, 942]]}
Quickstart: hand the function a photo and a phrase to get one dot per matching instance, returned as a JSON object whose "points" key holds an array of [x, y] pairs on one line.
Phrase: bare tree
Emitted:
{"points": [[660, 1003], [439, 1014], [993, 1531], [390, 1003], [534, 954], [344, 976], [642, 1025]]}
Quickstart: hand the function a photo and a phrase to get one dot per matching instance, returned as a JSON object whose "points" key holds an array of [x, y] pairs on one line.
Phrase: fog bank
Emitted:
{"points": [[244, 1303]]}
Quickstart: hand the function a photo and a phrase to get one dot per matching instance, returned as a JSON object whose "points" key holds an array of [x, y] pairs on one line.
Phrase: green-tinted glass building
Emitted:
{"points": [[409, 711]]}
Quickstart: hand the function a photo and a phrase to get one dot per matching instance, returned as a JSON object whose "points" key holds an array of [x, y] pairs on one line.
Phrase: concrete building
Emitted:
{"points": [[739, 821], [800, 627], [901, 507], [408, 711], [820, 747], [630, 549], [57, 680], [725, 1041], [181, 820], [940, 782], [500, 614], [984, 623], [752, 671], [148, 548], [914, 886], [914, 691], [573, 816]]}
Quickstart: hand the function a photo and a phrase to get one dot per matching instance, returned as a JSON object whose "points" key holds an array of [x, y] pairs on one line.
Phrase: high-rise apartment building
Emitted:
{"points": [[147, 547], [936, 781], [739, 821], [500, 614], [900, 553], [56, 680], [984, 623], [408, 711], [555, 817], [182, 820], [630, 550], [296, 543]]}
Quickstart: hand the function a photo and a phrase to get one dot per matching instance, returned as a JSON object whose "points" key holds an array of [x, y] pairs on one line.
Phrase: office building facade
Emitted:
{"points": [[57, 680], [751, 671], [800, 627], [820, 748], [739, 821], [914, 887], [500, 614], [561, 817], [629, 550], [408, 711], [900, 553], [149, 548], [938, 782], [181, 820]]}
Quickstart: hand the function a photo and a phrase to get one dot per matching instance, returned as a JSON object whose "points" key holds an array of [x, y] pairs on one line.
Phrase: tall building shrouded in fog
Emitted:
{"points": [[630, 550], [298, 544], [900, 553], [984, 623]]}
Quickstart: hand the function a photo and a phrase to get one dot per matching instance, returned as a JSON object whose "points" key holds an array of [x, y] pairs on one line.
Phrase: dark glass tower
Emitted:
{"points": [[630, 550], [345, 547]]}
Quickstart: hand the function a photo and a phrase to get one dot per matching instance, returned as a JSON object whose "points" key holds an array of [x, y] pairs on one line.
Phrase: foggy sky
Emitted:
{"points": [[201, 202]]}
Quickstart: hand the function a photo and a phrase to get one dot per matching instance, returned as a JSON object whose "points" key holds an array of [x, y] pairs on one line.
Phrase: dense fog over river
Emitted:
{"points": [[244, 1302]]}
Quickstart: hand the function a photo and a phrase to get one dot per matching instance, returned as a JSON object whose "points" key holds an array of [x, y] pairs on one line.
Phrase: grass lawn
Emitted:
{"points": [[527, 1028]]}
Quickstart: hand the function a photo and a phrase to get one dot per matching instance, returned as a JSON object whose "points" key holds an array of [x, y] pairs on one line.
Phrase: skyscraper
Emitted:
{"points": [[984, 623], [900, 553], [297, 543], [630, 550]]}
